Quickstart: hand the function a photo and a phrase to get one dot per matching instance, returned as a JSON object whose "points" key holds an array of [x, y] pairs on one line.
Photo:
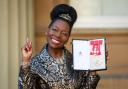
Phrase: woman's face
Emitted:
{"points": [[58, 34]]}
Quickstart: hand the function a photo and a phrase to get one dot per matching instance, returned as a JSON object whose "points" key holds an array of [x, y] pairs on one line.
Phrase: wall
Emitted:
{"points": [[16, 20]]}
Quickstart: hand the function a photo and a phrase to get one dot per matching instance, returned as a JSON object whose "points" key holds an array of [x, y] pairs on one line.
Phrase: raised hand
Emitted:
{"points": [[26, 52]]}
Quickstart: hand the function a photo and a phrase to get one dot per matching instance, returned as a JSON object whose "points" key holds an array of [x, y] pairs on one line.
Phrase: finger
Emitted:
{"points": [[26, 48], [107, 55], [27, 40], [107, 58], [29, 45]]}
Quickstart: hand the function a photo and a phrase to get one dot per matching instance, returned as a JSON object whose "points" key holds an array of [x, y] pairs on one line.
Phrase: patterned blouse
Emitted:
{"points": [[44, 72]]}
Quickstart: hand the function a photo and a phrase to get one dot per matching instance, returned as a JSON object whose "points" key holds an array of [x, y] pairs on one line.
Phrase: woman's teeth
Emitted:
{"points": [[55, 41]]}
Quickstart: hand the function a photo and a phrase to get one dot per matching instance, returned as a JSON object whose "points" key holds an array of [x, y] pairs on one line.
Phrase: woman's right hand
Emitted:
{"points": [[26, 52]]}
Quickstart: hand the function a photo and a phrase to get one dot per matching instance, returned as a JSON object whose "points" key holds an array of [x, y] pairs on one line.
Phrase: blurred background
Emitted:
{"points": [[20, 19]]}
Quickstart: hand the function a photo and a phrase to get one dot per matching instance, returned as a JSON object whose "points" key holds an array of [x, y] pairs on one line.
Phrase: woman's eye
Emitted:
{"points": [[54, 29], [65, 34]]}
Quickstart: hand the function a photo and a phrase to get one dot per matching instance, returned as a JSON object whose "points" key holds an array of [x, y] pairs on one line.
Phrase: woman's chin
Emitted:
{"points": [[56, 46]]}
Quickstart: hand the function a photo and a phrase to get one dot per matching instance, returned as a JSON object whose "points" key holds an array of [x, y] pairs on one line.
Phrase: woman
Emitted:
{"points": [[52, 67]]}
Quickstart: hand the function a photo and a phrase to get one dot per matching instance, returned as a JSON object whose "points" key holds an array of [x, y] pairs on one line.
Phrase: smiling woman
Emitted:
{"points": [[52, 67]]}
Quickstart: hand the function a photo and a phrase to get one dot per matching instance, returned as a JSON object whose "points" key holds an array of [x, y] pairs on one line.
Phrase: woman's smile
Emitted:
{"points": [[55, 41]]}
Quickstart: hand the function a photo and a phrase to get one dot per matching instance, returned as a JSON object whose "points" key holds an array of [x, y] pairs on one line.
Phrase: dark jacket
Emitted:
{"points": [[44, 73]]}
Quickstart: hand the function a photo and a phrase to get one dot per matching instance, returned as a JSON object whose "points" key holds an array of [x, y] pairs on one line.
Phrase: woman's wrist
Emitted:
{"points": [[25, 64]]}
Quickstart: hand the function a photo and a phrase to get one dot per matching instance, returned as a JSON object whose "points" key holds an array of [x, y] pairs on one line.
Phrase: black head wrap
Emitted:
{"points": [[64, 12]]}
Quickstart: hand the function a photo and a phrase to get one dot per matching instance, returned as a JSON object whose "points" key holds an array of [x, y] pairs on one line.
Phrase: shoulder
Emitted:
{"points": [[39, 56]]}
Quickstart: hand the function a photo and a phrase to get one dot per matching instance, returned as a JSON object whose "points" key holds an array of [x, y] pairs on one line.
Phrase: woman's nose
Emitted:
{"points": [[58, 34]]}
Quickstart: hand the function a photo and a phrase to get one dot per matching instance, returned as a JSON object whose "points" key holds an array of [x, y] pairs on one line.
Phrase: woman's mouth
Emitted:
{"points": [[55, 41]]}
